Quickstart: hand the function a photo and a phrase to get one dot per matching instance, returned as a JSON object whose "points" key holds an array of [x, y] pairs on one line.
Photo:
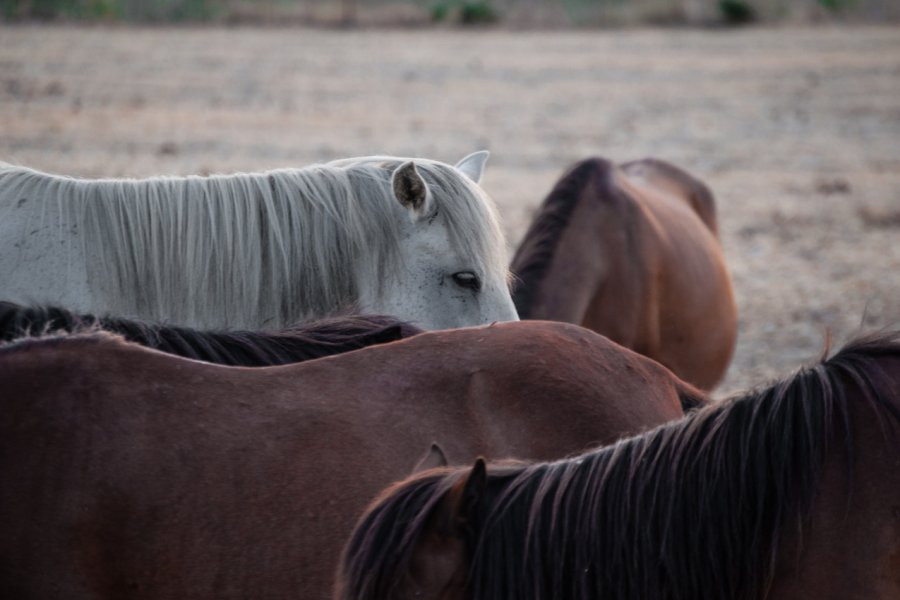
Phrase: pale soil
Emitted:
{"points": [[796, 130]]}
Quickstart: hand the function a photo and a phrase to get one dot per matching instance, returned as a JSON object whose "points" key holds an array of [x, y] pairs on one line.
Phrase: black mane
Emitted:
{"points": [[690, 510], [535, 253], [236, 348]]}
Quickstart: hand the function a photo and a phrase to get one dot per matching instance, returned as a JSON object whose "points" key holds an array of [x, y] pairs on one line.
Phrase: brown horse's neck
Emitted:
{"points": [[565, 254], [623, 305], [578, 267], [772, 469], [532, 261], [853, 529]]}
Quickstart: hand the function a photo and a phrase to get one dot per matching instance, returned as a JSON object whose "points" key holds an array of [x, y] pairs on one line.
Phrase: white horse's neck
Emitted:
{"points": [[248, 250]]}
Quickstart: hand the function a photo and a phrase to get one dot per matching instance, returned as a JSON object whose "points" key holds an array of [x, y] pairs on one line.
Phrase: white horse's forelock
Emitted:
{"points": [[279, 243]]}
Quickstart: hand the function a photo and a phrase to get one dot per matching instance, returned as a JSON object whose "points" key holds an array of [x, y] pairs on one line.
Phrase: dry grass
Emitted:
{"points": [[885, 218], [796, 130]]}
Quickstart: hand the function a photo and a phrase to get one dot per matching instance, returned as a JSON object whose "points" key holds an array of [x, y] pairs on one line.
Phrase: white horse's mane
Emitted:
{"points": [[283, 243]]}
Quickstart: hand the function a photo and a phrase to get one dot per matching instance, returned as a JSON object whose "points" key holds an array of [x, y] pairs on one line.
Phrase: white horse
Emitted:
{"points": [[417, 239]]}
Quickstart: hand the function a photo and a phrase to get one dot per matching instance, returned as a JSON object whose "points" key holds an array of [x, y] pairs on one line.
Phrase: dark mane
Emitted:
{"points": [[689, 510], [237, 348], [534, 255]]}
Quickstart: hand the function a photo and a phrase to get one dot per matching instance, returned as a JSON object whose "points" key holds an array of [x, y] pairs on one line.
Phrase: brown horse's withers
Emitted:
{"points": [[632, 252], [128, 473]]}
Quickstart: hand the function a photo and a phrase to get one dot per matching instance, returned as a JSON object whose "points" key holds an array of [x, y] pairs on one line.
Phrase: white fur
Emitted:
{"points": [[257, 250], [473, 165]]}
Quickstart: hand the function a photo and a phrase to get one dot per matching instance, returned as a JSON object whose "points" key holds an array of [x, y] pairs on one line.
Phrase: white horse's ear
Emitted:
{"points": [[473, 165], [410, 189]]}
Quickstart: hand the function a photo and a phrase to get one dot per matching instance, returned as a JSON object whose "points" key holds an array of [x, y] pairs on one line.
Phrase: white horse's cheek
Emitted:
{"points": [[500, 305]]}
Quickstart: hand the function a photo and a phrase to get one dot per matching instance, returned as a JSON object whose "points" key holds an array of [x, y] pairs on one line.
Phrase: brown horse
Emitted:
{"points": [[788, 492], [306, 341], [632, 252], [131, 473]]}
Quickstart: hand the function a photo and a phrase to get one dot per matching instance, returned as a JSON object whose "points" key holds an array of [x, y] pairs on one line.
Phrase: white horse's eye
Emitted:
{"points": [[467, 280]]}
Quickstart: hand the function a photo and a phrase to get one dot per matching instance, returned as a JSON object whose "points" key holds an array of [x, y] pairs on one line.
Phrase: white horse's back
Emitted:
{"points": [[257, 250]]}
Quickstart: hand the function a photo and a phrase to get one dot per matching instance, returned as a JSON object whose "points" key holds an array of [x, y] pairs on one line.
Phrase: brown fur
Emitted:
{"points": [[632, 253], [131, 473]]}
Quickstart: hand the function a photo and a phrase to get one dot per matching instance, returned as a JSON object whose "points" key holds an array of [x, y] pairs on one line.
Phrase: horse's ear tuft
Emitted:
{"points": [[472, 166], [432, 459], [472, 491], [410, 189], [455, 514]]}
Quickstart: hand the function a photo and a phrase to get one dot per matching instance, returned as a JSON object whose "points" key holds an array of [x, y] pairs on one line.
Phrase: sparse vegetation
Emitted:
{"points": [[834, 5], [737, 12], [465, 12], [477, 13], [129, 10], [55, 9]]}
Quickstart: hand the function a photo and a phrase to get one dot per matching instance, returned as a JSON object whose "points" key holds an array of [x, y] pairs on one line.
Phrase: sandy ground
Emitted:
{"points": [[796, 130]]}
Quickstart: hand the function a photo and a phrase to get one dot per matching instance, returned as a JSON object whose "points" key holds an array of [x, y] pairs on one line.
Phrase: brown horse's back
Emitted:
{"points": [[632, 253], [692, 322], [130, 473]]}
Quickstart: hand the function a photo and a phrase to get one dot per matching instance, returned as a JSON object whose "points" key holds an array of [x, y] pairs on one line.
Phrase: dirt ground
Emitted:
{"points": [[797, 131]]}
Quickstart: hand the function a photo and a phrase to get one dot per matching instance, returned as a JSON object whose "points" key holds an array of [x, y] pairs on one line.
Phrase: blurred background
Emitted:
{"points": [[419, 12], [789, 110]]}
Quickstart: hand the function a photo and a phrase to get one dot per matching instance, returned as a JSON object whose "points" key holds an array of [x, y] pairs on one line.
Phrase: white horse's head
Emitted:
{"points": [[417, 239], [452, 269]]}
